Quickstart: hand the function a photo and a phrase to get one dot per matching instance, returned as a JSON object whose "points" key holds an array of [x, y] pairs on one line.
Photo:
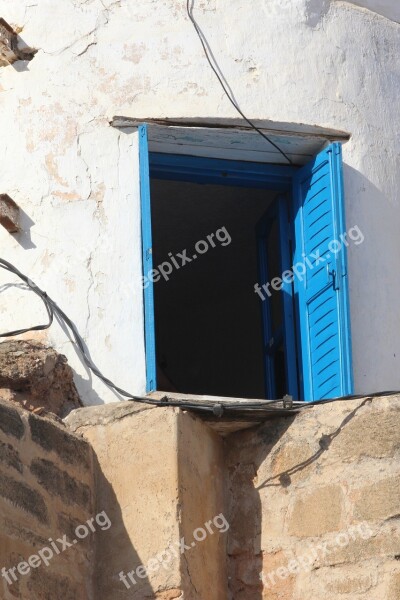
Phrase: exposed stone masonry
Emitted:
{"points": [[330, 476], [37, 377], [313, 501], [46, 483]]}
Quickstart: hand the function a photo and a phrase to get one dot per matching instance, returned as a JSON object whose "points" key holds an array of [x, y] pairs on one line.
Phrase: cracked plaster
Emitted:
{"points": [[76, 179]]}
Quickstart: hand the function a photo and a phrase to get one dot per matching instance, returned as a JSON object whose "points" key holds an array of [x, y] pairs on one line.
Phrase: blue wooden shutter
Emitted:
{"points": [[321, 287], [147, 250]]}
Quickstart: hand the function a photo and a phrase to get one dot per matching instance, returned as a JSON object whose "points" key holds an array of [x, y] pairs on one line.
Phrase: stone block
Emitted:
{"points": [[52, 437], [394, 586], [38, 374], [172, 594], [67, 525], [59, 483], [50, 586], [9, 456], [345, 581], [10, 421], [274, 513], [350, 579], [382, 544], [245, 511], [316, 511], [247, 569], [294, 456], [379, 500], [278, 582], [16, 531], [373, 433], [23, 497]]}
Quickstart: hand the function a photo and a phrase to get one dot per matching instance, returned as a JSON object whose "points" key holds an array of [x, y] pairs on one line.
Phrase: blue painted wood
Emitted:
{"points": [[196, 169], [147, 254], [289, 324], [321, 289], [286, 331], [262, 232]]}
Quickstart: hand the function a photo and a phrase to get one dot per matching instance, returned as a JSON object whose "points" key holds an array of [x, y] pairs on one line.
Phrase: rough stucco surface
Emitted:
{"points": [[37, 377], [75, 178], [137, 484], [312, 503], [319, 495], [202, 497], [46, 491], [159, 476]]}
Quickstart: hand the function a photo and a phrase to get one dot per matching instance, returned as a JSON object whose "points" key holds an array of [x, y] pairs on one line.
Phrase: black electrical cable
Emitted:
{"points": [[36, 290], [204, 43], [215, 408], [54, 310]]}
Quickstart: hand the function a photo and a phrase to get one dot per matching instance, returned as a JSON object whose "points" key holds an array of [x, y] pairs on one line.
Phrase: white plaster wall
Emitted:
{"points": [[308, 61]]}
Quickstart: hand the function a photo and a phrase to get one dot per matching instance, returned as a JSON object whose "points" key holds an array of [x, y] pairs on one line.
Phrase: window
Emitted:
{"points": [[290, 337]]}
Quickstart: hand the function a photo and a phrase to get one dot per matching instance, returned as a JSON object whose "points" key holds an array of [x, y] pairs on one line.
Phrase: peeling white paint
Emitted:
{"points": [[307, 61]]}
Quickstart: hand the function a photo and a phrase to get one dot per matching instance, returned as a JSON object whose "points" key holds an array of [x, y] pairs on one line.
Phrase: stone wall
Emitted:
{"points": [[37, 377], [45, 494], [311, 503], [314, 504]]}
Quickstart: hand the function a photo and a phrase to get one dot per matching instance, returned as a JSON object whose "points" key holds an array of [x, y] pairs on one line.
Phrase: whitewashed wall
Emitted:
{"points": [[318, 62]]}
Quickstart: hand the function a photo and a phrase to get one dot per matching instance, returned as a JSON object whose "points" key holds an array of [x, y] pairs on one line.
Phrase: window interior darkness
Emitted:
{"points": [[276, 306], [208, 317]]}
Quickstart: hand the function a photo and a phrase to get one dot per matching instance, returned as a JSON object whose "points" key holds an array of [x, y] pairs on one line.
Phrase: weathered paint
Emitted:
{"points": [[330, 64]]}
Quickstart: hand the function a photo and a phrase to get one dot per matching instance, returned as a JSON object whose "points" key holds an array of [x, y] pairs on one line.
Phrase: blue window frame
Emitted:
{"points": [[281, 334], [147, 259], [303, 184]]}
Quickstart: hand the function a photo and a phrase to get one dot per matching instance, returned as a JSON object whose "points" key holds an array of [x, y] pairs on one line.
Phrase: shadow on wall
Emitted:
{"points": [[114, 547], [372, 273], [247, 511], [245, 559], [202, 511], [23, 236], [315, 11]]}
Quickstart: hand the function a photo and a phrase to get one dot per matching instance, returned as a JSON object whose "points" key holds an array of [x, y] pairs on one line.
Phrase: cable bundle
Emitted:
{"points": [[216, 409]]}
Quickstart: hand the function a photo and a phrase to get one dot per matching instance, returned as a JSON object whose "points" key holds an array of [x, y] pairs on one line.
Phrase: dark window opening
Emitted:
{"points": [[209, 332]]}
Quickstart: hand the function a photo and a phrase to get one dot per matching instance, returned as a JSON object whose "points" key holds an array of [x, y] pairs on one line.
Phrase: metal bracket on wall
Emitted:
{"points": [[9, 214], [11, 48]]}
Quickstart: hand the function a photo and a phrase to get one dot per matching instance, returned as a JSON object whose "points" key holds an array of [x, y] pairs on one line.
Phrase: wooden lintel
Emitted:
{"points": [[275, 129]]}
